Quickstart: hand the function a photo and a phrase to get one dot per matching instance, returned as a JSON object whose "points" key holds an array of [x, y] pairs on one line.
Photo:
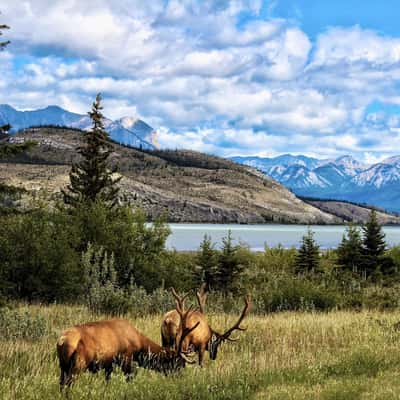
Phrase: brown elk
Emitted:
{"points": [[104, 344], [204, 337]]}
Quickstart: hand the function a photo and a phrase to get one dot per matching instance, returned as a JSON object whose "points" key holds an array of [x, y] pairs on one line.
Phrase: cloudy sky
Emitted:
{"points": [[242, 77]]}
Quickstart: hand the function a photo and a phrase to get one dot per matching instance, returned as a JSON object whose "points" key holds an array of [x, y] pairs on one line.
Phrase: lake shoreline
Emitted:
{"points": [[187, 237]]}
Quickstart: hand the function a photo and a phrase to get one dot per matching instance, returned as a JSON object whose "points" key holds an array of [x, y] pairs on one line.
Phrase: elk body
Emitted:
{"points": [[204, 338], [104, 344]]}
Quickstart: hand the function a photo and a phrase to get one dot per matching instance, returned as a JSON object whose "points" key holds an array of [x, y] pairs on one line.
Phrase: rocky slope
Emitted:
{"points": [[184, 185], [353, 212]]}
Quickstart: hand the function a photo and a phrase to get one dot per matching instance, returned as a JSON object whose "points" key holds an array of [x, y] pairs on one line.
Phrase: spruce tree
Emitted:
{"points": [[308, 258], [350, 251], [91, 179], [374, 239], [206, 270], [374, 245], [229, 265]]}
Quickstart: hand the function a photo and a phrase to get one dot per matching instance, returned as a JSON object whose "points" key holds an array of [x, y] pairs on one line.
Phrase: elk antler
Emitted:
{"points": [[179, 300], [202, 297], [237, 326]]}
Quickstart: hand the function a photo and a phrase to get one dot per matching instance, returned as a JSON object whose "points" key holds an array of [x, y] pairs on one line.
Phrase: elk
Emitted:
{"points": [[204, 337], [104, 344]]}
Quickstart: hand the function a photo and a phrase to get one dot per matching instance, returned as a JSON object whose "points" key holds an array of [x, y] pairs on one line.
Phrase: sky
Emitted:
{"points": [[241, 77]]}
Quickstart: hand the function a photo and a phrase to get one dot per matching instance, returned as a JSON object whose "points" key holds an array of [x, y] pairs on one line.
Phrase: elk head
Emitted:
{"points": [[217, 338], [170, 360]]}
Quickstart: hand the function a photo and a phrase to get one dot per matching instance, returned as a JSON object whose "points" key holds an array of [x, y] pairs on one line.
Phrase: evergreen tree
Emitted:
{"points": [[350, 251], [374, 246], [229, 265], [308, 258], [206, 270], [91, 179], [374, 239]]}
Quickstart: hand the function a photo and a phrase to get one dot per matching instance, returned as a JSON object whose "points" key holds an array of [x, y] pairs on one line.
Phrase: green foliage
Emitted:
{"points": [[230, 266], [308, 259], [137, 247], [37, 257], [102, 293], [288, 293], [206, 269], [374, 239], [350, 250], [21, 324], [91, 179]]}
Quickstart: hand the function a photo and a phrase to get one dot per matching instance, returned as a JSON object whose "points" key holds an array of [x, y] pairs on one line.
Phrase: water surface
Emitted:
{"points": [[188, 236]]}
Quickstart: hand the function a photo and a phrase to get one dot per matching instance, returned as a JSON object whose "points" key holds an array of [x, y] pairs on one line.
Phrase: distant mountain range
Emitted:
{"points": [[128, 131], [343, 178]]}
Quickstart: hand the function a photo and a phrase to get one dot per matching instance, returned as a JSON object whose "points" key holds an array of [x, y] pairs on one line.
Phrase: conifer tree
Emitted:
{"points": [[350, 251], [206, 270], [374, 245], [374, 239], [229, 265], [91, 178], [308, 258]]}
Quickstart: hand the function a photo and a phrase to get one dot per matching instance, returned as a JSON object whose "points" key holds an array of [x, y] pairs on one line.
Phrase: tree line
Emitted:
{"points": [[94, 248]]}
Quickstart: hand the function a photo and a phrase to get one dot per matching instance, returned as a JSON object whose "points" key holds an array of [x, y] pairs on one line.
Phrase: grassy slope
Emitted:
{"points": [[189, 186], [340, 355]]}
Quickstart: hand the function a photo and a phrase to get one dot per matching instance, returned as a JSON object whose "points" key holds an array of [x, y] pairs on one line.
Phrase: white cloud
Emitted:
{"points": [[205, 78]]}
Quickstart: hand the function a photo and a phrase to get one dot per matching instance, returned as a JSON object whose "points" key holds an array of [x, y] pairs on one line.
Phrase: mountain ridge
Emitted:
{"points": [[343, 178], [127, 130]]}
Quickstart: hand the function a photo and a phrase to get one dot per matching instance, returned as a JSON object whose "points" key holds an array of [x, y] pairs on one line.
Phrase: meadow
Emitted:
{"points": [[288, 355]]}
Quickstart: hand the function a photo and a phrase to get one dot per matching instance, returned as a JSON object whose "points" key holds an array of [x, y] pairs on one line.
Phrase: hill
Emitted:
{"points": [[185, 185], [348, 211]]}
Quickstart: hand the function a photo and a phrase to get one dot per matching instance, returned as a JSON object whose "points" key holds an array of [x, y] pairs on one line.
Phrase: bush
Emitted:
{"points": [[38, 260], [18, 324], [298, 294]]}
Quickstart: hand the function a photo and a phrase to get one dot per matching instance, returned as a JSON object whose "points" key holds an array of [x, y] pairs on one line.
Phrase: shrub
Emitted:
{"points": [[18, 324], [299, 294]]}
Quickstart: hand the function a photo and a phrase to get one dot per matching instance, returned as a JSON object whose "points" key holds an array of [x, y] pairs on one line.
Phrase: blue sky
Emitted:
{"points": [[243, 77]]}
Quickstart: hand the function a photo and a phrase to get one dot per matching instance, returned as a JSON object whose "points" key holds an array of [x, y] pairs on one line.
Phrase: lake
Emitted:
{"points": [[189, 236]]}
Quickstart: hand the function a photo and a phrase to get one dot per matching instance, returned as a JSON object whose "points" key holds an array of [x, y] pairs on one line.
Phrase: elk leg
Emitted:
{"points": [[201, 351], [108, 371], [128, 369], [62, 380]]}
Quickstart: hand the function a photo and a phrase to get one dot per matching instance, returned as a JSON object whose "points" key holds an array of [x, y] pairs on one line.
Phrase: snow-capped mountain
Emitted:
{"points": [[342, 178], [301, 177], [129, 131], [378, 176]]}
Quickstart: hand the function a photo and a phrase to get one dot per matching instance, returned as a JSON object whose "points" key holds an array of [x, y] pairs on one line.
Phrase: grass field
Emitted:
{"points": [[339, 355]]}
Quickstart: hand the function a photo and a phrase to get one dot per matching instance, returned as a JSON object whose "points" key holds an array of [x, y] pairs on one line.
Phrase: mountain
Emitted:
{"points": [[185, 186], [343, 178], [129, 131], [268, 165]]}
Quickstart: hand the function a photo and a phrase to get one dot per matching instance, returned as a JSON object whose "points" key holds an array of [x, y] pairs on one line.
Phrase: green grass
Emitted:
{"points": [[339, 355]]}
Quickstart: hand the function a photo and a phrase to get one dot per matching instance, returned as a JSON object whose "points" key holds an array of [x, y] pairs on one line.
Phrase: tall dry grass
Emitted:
{"points": [[338, 355]]}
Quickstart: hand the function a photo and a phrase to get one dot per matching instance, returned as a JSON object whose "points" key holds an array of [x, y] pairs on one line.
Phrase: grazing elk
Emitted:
{"points": [[204, 337], [103, 344]]}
